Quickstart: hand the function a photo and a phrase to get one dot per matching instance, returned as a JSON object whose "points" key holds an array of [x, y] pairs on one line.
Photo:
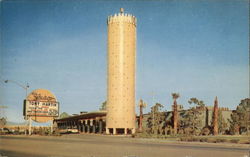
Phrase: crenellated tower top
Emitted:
{"points": [[122, 17]]}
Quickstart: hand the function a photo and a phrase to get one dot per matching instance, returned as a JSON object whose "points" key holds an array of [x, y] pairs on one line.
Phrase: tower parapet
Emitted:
{"points": [[122, 17]]}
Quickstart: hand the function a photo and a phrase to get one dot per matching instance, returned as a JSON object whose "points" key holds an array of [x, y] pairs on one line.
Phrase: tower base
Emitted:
{"points": [[120, 131]]}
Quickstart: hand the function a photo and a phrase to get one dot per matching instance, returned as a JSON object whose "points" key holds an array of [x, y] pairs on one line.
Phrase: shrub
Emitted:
{"points": [[203, 140], [234, 141], [182, 139], [190, 139], [210, 140], [186, 139], [205, 131], [188, 131], [181, 132], [245, 142], [220, 140], [56, 132], [195, 139], [44, 131]]}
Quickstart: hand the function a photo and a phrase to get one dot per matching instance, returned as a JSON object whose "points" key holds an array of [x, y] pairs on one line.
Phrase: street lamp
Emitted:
{"points": [[26, 91], [24, 87]]}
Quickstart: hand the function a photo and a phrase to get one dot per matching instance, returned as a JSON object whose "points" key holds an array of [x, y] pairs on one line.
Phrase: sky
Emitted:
{"points": [[197, 48]]}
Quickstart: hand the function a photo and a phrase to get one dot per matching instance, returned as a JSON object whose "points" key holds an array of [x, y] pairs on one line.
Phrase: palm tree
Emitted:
{"points": [[141, 106], [175, 112], [197, 102], [175, 97], [104, 106]]}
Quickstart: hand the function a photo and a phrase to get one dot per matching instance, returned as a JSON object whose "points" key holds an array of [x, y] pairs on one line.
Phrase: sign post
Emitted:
{"points": [[30, 121], [51, 129]]}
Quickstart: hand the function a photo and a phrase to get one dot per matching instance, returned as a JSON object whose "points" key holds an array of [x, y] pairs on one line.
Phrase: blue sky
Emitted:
{"points": [[198, 48]]}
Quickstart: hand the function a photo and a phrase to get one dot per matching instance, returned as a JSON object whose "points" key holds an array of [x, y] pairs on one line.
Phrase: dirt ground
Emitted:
{"points": [[83, 145]]}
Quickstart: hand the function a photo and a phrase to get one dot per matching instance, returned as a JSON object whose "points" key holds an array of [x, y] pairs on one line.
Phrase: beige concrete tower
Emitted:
{"points": [[121, 73]]}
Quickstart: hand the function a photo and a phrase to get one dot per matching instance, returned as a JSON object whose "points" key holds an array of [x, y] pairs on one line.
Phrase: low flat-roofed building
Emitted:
{"points": [[90, 122]]}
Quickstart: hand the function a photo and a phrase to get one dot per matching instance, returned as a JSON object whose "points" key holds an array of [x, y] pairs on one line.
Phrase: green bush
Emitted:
{"points": [[234, 141], [56, 132], [220, 140], [210, 140], [182, 139], [245, 142], [196, 139], [186, 139], [190, 139], [205, 131], [203, 140]]}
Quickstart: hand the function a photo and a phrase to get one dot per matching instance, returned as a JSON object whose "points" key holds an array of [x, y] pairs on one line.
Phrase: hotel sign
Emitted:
{"points": [[41, 108]]}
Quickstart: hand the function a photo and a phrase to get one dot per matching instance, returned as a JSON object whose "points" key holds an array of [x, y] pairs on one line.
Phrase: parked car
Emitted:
{"points": [[4, 131], [72, 131], [68, 131]]}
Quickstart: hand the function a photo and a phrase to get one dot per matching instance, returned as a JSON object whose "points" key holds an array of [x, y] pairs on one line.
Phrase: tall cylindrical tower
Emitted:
{"points": [[121, 73]]}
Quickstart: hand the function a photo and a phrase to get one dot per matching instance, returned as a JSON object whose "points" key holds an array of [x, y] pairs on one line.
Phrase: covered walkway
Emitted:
{"points": [[92, 122]]}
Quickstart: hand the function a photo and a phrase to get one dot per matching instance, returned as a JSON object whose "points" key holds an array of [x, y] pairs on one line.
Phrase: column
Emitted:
{"points": [[52, 126], [107, 131], [74, 124], [100, 126], [94, 128], [77, 125], [88, 126], [80, 126], [114, 131], [30, 125], [83, 128], [91, 125], [133, 131]]}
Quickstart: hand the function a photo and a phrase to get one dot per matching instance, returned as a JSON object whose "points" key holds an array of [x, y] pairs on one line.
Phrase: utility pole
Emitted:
{"points": [[30, 124], [51, 127]]}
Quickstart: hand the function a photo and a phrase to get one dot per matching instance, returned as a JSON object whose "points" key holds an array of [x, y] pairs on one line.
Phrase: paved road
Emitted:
{"points": [[111, 146]]}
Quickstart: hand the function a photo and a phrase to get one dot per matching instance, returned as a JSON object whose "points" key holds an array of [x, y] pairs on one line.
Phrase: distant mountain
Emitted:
{"points": [[26, 123], [15, 123]]}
